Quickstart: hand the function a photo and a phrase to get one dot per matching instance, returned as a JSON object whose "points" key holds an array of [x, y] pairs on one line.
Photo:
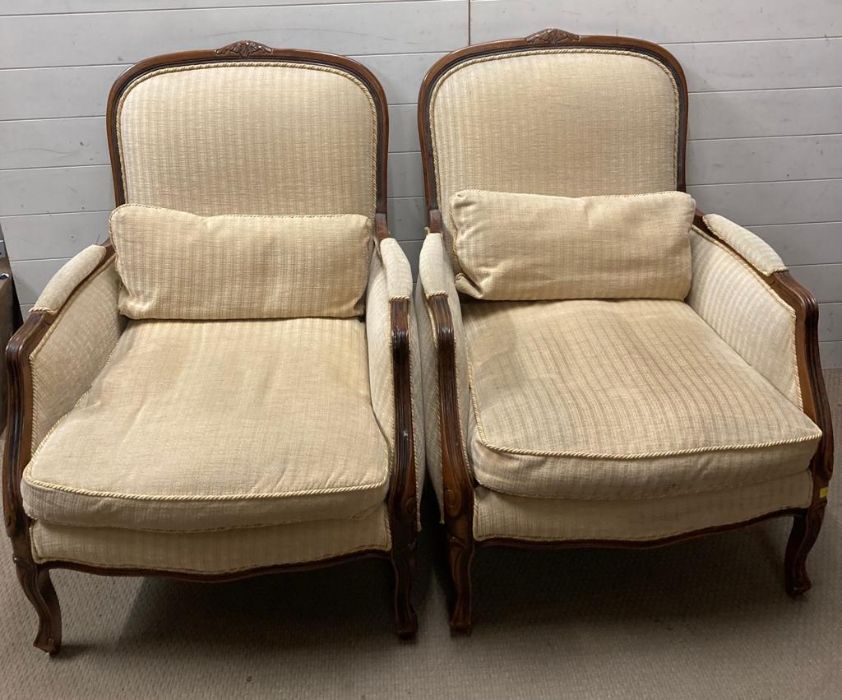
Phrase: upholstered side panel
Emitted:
{"points": [[74, 349], [221, 551], [378, 332], [567, 121], [249, 138], [501, 515], [732, 298]]}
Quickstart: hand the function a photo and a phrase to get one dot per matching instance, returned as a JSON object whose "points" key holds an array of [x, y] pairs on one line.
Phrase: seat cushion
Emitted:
{"points": [[500, 515], [207, 425], [211, 552], [620, 400]]}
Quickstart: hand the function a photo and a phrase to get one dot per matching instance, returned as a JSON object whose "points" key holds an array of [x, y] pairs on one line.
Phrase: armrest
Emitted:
{"points": [[68, 278], [750, 247], [742, 289], [446, 399], [393, 375], [55, 356]]}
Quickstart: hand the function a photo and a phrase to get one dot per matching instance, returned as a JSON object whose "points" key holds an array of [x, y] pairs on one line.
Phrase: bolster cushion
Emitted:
{"points": [[176, 265], [530, 247]]}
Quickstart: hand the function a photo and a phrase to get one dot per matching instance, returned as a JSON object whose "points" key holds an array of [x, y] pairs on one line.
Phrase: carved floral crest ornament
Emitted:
{"points": [[245, 49], [553, 37]]}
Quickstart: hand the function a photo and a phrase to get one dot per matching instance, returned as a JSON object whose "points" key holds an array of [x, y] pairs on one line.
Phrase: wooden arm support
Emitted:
{"points": [[457, 484], [18, 448], [402, 496]]}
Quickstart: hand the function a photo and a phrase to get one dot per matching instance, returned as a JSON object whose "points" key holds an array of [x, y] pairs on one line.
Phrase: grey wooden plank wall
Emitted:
{"points": [[765, 112]]}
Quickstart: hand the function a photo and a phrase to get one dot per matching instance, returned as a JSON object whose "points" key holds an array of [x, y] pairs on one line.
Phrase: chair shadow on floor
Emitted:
{"points": [[740, 572], [718, 577], [348, 604]]}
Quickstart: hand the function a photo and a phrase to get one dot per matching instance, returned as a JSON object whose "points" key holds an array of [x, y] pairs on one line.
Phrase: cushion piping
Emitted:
{"points": [[619, 457]]}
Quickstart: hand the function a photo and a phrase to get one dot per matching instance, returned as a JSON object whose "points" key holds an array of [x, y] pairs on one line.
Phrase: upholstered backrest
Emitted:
{"points": [[553, 114], [249, 131]]}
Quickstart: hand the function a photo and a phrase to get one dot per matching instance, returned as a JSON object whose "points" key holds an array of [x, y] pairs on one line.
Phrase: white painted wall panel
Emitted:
{"points": [[804, 244], [53, 235], [756, 204], [822, 280], [46, 143], [30, 7], [407, 217], [790, 112], [831, 353], [55, 190], [405, 175], [662, 21], [56, 92], [761, 65], [830, 321], [400, 74], [403, 129], [764, 159], [126, 37]]}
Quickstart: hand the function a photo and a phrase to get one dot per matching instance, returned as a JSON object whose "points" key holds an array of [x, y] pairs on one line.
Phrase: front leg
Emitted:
{"points": [[805, 530], [36, 584]]}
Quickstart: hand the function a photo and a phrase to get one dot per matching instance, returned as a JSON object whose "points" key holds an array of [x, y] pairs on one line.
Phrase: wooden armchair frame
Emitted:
{"points": [[401, 499], [458, 483]]}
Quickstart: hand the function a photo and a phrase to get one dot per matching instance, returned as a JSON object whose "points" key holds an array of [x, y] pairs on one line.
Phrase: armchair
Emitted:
{"points": [[579, 421], [206, 447]]}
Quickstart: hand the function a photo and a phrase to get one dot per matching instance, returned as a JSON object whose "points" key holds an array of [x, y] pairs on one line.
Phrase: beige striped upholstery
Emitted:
{"points": [[501, 515], [435, 278], [69, 276], [749, 316], [249, 138], [390, 280], [751, 247], [620, 400], [216, 552], [76, 346], [176, 265], [201, 426], [566, 121], [215, 447], [516, 247], [397, 269]]}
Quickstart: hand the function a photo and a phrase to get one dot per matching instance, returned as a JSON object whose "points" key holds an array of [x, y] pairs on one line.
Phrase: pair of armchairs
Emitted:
{"points": [[245, 388]]}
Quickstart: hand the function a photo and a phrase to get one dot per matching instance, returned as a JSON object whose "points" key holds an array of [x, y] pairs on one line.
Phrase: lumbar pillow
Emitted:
{"points": [[527, 246], [176, 265]]}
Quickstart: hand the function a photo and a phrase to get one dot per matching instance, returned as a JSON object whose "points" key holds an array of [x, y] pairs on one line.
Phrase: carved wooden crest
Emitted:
{"points": [[553, 37], [245, 49]]}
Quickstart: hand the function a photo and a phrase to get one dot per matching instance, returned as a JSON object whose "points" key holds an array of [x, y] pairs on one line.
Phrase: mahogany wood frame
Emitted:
{"points": [[401, 499], [458, 483]]}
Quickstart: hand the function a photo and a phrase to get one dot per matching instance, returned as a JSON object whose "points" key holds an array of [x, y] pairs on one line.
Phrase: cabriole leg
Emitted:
{"points": [[406, 620], [805, 530], [36, 583], [460, 555]]}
